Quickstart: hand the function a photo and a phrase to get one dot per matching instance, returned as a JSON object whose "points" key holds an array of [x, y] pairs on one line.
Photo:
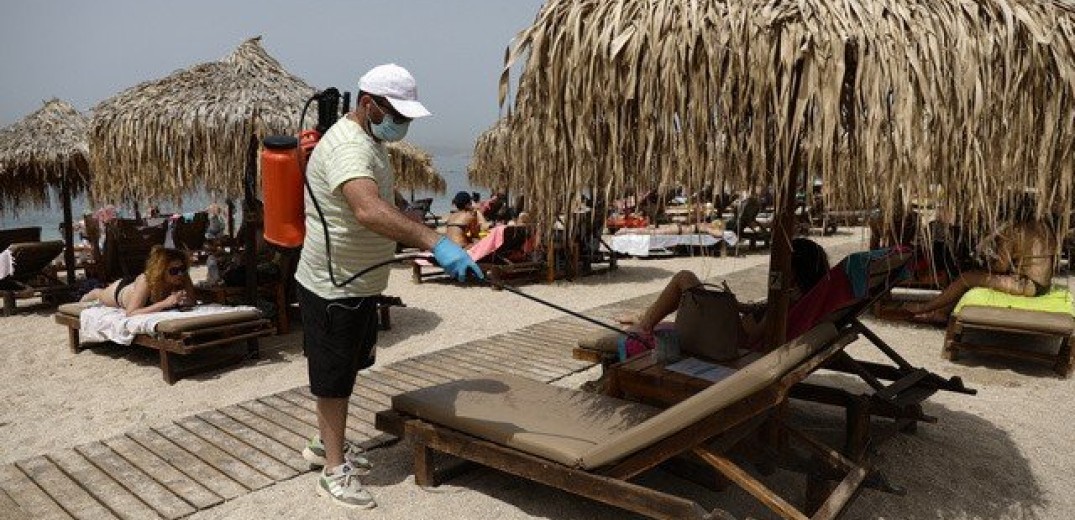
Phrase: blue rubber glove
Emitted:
{"points": [[455, 261]]}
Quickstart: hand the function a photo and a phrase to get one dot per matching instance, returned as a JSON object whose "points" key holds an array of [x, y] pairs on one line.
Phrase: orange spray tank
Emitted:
{"points": [[282, 188]]}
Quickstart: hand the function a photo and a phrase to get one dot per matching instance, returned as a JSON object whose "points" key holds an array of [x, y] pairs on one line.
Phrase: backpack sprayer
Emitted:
{"points": [[283, 175]]}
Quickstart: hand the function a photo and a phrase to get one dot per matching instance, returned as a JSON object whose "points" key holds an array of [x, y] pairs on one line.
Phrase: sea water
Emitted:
{"points": [[452, 166]]}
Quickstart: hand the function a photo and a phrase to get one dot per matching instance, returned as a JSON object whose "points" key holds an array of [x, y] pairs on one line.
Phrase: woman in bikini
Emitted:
{"points": [[1020, 261], [465, 224], [165, 285]]}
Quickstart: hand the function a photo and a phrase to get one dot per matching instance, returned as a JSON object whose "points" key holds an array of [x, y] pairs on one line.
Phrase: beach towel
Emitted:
{"points": [[102, 323], [1056, 300]]}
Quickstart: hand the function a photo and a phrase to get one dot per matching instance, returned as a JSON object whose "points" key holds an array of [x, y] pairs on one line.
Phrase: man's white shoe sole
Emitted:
{"points": [[324, 492]]}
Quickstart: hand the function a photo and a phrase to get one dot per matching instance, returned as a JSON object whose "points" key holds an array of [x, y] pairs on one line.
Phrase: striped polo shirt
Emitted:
{"points": [[344, 153]]}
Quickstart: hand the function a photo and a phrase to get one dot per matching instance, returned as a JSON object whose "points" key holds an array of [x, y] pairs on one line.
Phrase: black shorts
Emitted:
{"points": [[338, 340]]}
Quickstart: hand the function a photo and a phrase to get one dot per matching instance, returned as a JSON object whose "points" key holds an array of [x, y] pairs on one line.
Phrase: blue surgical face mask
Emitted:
{"points": [[388, 129]]}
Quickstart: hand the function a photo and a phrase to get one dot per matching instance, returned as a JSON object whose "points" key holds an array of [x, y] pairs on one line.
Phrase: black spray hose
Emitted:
{"points": [[633, 335], [497, 285]]}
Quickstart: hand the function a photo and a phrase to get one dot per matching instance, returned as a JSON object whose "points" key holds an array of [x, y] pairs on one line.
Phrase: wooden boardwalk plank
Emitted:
{"points": [[525, 352], [488, 366], [118, 499], [9, 510], [446, 372], [370, 395], [190, 465], [458, 371], [416, 375], [360, 401], [155, 495], [250, 455], [215, 457], [64, 491], [537, 344], [300, 428], [507, 361], [160, 470], [404, 377], [31, 498], [378, 392], [389, 380], [440, 357], [260, 424], [286, 454], [382, 383], [358, 419], [309, 415]]}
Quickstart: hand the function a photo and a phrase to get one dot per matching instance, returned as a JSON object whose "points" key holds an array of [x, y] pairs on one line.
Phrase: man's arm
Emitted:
{"points": [[384, 219]]}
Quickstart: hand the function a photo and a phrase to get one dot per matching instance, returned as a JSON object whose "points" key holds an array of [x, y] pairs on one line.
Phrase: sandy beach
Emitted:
{"points": [[1004, 453]]}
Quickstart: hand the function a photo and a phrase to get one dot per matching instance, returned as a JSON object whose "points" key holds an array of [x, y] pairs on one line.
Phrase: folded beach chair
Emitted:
{"points": [[746, 227], [502, 254], [594, 445], [184, 335], [29, 275], [1047, 317]]}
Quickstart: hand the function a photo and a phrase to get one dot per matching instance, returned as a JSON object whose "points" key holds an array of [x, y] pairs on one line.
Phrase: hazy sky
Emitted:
{"points": [[86, 51]]}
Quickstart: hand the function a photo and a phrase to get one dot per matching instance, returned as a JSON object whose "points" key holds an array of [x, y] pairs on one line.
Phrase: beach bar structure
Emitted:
{"points": [[46, 150], [883, 101]]}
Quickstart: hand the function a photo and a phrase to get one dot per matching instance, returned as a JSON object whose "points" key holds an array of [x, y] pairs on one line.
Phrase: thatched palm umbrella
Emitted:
{"points": [[414, 169], [46, 149], [488, 167], [199, 127], [876, 98], [166, 138]]}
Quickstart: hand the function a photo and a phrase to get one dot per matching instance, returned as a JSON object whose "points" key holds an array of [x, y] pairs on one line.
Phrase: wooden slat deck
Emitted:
{"points": [[200, 461]]}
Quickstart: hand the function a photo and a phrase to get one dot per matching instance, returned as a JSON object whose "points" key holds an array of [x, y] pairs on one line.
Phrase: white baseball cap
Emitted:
{"points": [[395, 84]]}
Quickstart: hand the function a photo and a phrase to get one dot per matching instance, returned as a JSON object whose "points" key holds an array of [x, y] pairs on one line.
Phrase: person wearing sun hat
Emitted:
{"points": [[353, 224]]}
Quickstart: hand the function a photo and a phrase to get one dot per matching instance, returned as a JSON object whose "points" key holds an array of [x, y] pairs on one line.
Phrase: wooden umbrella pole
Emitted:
{"points": [[780, 273], [68, 229]]}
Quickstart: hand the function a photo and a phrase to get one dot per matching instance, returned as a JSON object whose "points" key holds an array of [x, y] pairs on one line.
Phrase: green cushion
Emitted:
{"points": [[1057, 300]]}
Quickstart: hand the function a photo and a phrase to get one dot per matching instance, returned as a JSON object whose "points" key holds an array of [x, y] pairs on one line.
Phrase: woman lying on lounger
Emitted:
{"points": [[165, 285], [1020, 259], [808, 261], [465, 224]]}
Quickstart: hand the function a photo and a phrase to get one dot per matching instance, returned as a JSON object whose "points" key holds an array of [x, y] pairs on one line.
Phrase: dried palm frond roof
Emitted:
{"points": [[488, 166], [39, 151], [165, 138], [958, 101], [414, 168]]}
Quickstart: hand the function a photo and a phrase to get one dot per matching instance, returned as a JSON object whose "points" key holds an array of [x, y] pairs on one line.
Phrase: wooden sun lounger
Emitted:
{"points": [[184, 336], [32, 276], [1012, 321], [595, 445], [897, 389]]}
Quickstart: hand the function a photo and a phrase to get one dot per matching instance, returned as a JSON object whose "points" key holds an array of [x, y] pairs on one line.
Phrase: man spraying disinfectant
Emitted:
{"points": [[350, 196]]}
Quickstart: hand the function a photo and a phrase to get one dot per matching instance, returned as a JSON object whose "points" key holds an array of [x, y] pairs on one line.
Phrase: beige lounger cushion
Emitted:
{"points": [[544, 420], [179, 325], [586, 430], [1057, 323]]}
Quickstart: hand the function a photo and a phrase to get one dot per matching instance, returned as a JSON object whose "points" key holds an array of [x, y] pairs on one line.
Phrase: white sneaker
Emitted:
{"points": [[344, 488], [314, 453]]}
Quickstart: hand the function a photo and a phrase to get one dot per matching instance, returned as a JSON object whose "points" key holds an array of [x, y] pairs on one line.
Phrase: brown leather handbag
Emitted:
{"points": [[708, 323]]}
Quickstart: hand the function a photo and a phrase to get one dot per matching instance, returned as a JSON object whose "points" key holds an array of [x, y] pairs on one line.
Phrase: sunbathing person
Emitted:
{"points": [[465, 224], [1020, 260], [165, 285], [809, 262]]}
